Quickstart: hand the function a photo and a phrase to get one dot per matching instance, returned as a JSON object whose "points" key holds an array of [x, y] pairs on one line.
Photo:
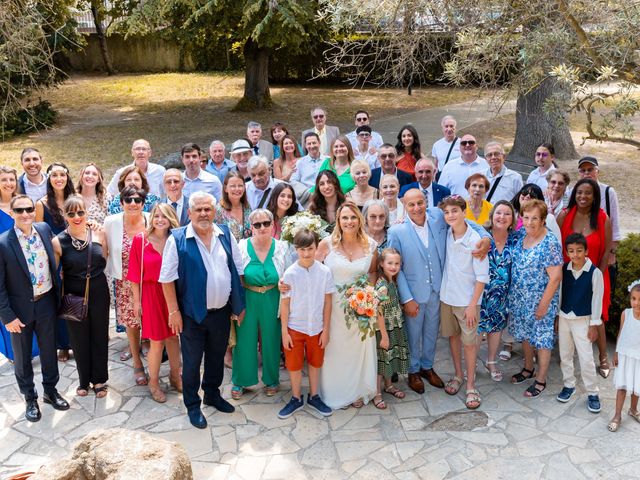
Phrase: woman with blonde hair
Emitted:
{"points": [[91, 186], [340, 162], [362, 192], [145, 260]]}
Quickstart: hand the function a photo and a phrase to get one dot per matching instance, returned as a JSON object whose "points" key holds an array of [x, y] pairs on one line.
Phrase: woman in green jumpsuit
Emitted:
{"points": [[265, 260]]}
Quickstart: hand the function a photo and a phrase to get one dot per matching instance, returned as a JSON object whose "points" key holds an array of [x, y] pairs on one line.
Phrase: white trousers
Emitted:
{"points": [[572, 336]]}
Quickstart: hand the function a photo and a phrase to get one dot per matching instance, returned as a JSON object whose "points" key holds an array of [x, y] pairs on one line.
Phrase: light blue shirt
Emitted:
{"points": [[307, 169], [221, 172], [204, 182]]}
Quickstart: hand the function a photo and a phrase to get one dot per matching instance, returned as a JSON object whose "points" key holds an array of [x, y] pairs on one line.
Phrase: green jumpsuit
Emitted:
{"points": [[262, 314]]}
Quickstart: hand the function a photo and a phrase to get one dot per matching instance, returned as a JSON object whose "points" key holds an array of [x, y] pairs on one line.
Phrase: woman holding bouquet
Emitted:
{"points": [[349, 373], [281, 205]]}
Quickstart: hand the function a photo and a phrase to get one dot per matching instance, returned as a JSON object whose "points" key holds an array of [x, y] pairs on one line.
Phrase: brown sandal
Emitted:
{"points": [[358, 403], [140, 376], [101, 390], [395, 391], [157, 394], [82, 392], [176, 382], [379, 404]]}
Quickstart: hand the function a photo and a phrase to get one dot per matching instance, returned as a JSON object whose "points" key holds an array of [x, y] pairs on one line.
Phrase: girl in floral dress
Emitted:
{"points": [[393, 350]]}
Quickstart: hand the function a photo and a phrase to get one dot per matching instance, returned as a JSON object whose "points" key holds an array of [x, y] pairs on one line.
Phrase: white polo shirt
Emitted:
{"points": [[510, 184], [440, 150], [456, 172]]}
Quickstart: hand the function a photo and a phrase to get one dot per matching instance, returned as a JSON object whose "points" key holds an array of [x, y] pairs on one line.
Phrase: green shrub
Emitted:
{"points": [[29, 119], [628, 257]]}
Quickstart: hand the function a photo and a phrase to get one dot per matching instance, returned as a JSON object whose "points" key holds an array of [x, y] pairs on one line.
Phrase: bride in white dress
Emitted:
{"points": [[349, 373]]}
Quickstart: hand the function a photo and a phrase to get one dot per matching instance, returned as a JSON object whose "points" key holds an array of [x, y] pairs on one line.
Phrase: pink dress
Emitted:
{"points": [[124, 296], [155, 315]]}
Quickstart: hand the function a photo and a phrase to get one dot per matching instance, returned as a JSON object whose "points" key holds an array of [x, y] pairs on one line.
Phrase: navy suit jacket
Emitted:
{"points": [[184, 216], [16, 290], [439, 191], [404, 178]]}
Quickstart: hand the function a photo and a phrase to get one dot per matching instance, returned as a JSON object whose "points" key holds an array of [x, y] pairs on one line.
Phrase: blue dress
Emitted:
{"points": [[494, 309], [529, 278], [149, 202], [6, 222]]}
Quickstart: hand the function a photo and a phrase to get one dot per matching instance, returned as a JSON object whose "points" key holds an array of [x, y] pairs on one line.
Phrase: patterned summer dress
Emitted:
{"points": [[396, 358], [124, 295]]}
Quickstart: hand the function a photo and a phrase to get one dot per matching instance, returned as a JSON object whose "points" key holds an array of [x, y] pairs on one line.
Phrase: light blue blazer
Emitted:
{"points": [[414, 280]]}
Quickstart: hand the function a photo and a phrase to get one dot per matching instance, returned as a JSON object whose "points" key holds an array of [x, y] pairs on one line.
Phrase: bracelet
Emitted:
{"points": [[175, 311]]}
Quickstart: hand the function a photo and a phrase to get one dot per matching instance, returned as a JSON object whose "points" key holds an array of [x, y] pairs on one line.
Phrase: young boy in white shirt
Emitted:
{"points": [[463, 282], [580, 311], [305, 313]]}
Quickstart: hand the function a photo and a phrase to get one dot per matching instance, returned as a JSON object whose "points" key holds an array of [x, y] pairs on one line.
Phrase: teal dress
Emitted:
{"points": [[261, 315]]}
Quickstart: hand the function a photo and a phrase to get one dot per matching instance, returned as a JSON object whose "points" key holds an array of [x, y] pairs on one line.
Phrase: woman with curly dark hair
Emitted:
{"points": [[408, 149], [282, 204], [327, 197]]}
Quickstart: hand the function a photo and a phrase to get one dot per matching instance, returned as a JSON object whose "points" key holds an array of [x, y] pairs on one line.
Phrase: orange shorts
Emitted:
{"points": [[294, 358]]}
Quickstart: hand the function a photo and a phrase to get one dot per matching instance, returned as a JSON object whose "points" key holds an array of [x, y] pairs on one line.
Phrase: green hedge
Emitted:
{"points": [[628, 257]]}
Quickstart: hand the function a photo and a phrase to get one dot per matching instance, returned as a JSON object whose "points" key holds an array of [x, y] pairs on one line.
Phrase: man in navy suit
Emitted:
{"points": [[29, 299], [173, 185], [387, 157], [433, 192]]}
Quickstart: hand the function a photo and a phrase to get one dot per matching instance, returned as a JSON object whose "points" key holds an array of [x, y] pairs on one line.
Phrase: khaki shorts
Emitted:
{"points": [[452, 323]]}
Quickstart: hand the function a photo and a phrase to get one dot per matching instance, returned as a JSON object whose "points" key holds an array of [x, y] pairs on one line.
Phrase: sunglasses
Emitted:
{"points": [[21, 210], [79, 213], [318, 116], [362, 119], [130, 200], [259, 225], [467, 142], [384, 156]]}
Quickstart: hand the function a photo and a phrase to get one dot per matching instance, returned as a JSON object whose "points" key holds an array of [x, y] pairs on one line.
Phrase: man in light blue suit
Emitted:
{"points": [[421, 240]]}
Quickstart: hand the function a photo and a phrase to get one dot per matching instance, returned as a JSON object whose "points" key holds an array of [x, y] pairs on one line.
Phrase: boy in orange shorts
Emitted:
{"points": [[305, 311]]}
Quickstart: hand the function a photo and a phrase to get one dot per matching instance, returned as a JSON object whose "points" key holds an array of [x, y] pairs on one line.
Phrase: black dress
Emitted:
{"points": [[90, 338]]}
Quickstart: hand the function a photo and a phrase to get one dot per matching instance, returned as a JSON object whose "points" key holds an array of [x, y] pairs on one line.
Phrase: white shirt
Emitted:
{"points": [[597, 286], [614, 213], [307, 169], [456, 172], [375, 142], [540, 179], [370, 158], [462, 270], [441, 148], [218, 286], [422, 231], [254, 195], [204, 182], [155, 179], [308, 289], [508, 187], [179, 206], [35, 191]]}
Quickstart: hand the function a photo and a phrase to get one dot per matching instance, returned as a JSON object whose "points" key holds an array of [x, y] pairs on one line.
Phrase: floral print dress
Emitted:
{"points": [[124, 295], [396, 358]]}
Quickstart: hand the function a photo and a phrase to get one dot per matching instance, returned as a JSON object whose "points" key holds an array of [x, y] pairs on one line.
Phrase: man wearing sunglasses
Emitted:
{"points": [[456, 171], [29, 299], [361, 119], [387, 157], [326, 133]]}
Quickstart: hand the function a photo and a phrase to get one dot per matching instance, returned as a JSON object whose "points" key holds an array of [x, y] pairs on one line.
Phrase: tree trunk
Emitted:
{"points": [[535, 126], [96, 11], [256, 78]]}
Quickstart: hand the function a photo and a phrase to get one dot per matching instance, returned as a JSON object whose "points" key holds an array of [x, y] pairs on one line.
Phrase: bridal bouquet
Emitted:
{"points": [[360, 303], [300, 221]]}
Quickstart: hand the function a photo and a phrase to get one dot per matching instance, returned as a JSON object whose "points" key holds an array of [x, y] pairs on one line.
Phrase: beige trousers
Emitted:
{"points": [[572, 336]]}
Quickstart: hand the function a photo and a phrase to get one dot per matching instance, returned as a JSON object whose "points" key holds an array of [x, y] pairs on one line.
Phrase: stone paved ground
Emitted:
{"points": [[430, 436]]}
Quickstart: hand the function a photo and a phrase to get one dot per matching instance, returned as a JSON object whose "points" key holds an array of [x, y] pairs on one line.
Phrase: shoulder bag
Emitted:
{"points": [[73, 307]]}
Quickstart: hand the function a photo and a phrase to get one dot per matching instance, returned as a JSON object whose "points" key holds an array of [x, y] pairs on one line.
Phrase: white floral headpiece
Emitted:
{"points": [[633, 284]]}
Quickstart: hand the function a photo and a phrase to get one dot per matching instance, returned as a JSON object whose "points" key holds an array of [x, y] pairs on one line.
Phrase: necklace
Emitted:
{"points": [[77, 243]]}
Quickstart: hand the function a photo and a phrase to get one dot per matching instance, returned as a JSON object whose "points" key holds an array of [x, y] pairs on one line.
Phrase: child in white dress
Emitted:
{"points": [[627, 359]]}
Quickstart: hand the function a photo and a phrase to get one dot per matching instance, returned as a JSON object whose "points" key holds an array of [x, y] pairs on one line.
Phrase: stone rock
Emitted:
{"points": [[119, 454], [172, 160]]}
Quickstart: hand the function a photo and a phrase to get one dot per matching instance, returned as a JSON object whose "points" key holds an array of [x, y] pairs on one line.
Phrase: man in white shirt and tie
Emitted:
{"points": [[173, 185], [433, 192]]}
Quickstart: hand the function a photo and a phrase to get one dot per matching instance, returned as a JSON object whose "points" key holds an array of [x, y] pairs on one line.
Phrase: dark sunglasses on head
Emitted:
{"points": [[21, 210], [79, 213], [265, 224], [467, 142], [131, 200]]}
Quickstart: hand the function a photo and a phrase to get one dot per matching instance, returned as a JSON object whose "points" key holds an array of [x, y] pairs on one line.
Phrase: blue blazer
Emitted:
{"points": [[413, 279], [184, 216], [439, 191], [404, 178], [16, 290]]}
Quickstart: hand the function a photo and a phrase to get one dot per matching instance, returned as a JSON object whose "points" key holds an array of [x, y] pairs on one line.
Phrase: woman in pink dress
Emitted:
{"points": [[145, 260]]}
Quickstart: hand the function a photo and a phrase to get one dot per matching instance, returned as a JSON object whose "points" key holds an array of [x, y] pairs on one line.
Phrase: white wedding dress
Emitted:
{"points": [[349, 371]]}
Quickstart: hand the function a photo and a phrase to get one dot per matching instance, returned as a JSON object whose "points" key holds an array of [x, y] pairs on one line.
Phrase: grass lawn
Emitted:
{"points": [[101, 116]]}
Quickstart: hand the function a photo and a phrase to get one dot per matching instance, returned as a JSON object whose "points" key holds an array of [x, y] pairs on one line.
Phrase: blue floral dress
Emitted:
{"points": [[494, 309], [529, 278]]}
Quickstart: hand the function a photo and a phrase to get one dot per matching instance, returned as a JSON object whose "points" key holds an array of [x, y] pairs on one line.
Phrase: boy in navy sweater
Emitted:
{"points": [[580, 311]]}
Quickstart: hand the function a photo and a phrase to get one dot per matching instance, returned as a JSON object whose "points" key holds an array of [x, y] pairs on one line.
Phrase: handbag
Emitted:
{"points": [[73, 307]]}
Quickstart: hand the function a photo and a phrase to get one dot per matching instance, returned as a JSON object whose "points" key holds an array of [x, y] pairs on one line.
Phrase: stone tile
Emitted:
{"points": [[209, 471], [353, 465], [131, 404], [341, 417], [271, 442], [561, 467], [226, 443], [571, 440], [245, 432], [387, 456], [266, 415], [362, 421], [284, 467], [498, 439], [578, 456], [250, 468], [520, 468], [601, 471], [438, 403], [357, 450], [535, 448], [27, 461], [55, 423], [406, 450], [434, 470], [216, 418], [211, 457], [629, 470], [45, 448], [11, 441], [329, 474], [371, 470], [149, 412], [567, 425], [497, 400], [521, 432], [178, 422], [410, 409], [356, 435], [108, 421], [195, 441], [107, 405], [407, 476], [309, 430], [392, 429], [459, 463], [617, 448], [320, 455]]}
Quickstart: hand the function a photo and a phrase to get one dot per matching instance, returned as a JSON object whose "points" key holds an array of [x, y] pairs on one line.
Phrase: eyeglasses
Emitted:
{"points": [[362, 119], [130, 200], [493, 154], [542, 154], [21, 210], [141, 149], [555, 182], [172, 181], [384, 156], [79, 213], [464, 143], [259, 225], [318, 116], [364, 134]]}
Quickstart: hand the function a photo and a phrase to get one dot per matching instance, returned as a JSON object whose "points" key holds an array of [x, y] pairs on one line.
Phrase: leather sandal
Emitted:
{"points": [[157, 394], [395, 391], [101, 390], [533, 390], [82, 391], [453, 386], [378, 402], [358, 403], [176, 382], [496, 373], [473, 399], [613, 425], [520, 377], [140, 376], [604, 369]]}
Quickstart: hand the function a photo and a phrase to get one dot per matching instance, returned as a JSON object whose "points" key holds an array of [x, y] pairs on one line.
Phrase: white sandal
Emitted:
{"points": [[496, 374], [505, 355]]}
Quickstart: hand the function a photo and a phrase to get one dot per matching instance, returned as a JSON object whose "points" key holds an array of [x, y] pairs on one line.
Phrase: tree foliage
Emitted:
{"points": [[32, 35]]}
